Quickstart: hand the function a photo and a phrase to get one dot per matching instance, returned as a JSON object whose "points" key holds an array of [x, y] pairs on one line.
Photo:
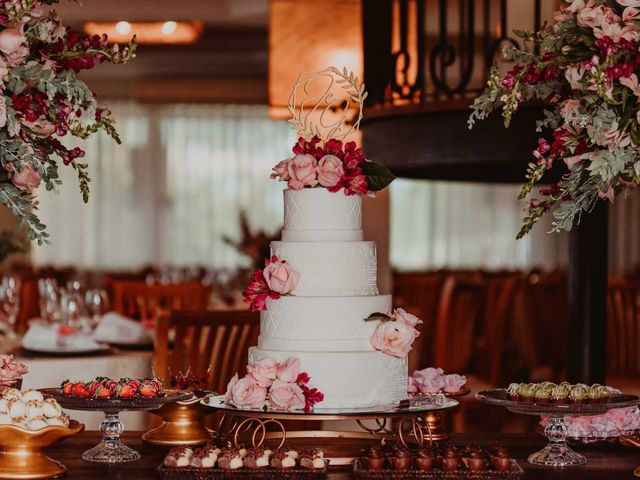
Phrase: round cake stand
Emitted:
{"points": [[557, 453], [404, 423], [111, 449]]}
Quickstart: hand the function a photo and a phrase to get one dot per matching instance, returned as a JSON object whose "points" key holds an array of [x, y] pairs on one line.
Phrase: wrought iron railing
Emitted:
{"points": [[423, 51]]}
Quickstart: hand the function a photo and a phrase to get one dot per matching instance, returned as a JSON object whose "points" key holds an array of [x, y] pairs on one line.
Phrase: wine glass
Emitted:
{"points": [[9, 303], [72, 309], [97, 303], [49, 300]]}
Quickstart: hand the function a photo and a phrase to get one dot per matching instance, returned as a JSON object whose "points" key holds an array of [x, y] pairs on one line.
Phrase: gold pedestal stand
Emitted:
{"points": [[434, 420], [20, 451], [405, 424], [182, 424]]}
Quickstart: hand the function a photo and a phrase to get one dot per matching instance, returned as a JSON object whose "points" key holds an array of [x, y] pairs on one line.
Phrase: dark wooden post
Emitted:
{"points": [[588, 297]]}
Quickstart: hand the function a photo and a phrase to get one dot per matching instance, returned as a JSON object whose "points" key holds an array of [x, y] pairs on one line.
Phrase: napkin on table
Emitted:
{"points": [[115, 328], [42, 336]]}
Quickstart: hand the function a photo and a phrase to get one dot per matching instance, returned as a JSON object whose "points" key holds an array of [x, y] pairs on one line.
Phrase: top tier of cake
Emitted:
{"points": [[317, 215]]}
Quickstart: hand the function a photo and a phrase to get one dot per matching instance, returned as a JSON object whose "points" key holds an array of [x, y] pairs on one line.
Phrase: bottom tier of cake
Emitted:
{"points": [[349, 379]]}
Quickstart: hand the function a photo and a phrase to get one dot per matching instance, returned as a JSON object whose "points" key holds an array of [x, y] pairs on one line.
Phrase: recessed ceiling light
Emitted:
{"points": [[169, 28], [123, 28], [148, 32]]}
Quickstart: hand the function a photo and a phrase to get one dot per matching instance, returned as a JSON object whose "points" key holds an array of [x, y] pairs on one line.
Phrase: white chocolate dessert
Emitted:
{"points": [[29, 410]]}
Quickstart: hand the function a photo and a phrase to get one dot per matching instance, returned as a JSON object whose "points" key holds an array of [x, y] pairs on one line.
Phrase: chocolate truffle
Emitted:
{"points": [[230, 459], [280, 459], [374, 458]]}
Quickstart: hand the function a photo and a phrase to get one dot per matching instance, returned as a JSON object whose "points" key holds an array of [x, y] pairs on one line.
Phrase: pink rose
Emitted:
{"points": [[302, 170], [394, 338], [330, 171], [280, 277], [246, 393], [11, 39], [263, 371], [27, 179], [288, 370], [286, 396], [429, 380], [403, 316], [453, 383], [280, 171], [11, 370]]}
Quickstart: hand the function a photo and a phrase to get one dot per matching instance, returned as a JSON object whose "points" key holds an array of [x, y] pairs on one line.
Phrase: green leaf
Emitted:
{"points": [[378, 317], [378, 176]]}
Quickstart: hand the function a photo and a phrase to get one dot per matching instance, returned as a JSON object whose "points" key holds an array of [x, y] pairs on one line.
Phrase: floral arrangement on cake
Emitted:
{"points": [[587, 73], [271, 385], [275, 280], [434, 380], [332, 165], [11, 371], [43, 100], [612, 424], [395, 333], [321, 157]]}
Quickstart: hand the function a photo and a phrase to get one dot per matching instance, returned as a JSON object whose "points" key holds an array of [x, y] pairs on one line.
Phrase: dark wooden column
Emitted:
{"points": [[588, 273]]}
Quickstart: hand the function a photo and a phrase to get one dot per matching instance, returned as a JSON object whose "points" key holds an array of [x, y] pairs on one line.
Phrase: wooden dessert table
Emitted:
{"points": [[604, 463]]}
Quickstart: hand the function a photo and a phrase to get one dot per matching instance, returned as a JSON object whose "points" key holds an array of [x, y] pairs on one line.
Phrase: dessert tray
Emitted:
{"points": [[111, 449], [557, 453], [362, 473], [192, 473]]}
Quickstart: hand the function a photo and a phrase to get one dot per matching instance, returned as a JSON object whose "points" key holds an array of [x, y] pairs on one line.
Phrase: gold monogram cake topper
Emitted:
{"points": [[329, 96]]}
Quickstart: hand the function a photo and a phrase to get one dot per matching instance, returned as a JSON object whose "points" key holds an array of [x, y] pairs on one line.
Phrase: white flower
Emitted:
{"points": [[629, 3], [576, 5]]}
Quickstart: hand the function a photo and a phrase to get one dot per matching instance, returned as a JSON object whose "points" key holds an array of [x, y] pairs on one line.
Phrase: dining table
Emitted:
{"points": [[608, 462]]}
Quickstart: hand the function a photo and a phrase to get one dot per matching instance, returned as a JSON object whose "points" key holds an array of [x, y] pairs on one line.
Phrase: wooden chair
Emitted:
{"points": [[136, 299], [29, 304], [623, 321], [203, 339], [546, 311], [462, 301], [419, 294]]}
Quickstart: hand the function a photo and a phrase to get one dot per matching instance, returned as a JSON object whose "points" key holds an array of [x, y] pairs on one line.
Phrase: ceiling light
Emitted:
{"points": [[169, 32], [123, 28], [169, 28]]}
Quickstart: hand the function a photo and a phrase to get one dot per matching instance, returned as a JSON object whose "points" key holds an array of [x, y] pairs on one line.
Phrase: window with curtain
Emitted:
{"points": [[172, 191]]}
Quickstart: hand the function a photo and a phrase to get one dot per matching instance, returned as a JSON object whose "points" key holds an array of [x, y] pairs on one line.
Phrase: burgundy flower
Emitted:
{"points": [[607, 46]]}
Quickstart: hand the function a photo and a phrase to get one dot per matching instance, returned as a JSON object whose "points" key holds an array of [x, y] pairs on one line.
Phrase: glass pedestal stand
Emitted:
{"points": [[557, 453], [111, 449]]}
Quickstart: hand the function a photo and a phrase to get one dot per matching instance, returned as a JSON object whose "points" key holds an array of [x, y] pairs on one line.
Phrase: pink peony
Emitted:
{"points": [[11, 41], [412, 386], [27, 179], [429, 380], [280, 277], [302, 170], [11, 370], [394, 338], [286, 396], [263, 371], [453, 383], [280, 171], [288, 370], [330, 171], [403, 316], [246, 393]]}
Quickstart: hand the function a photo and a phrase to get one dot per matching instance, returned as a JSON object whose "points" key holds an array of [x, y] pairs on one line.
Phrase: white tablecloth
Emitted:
{"points": [[52, 371]]}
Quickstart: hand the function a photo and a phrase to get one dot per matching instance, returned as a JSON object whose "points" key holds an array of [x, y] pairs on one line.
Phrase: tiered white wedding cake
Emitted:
{"points": [[322, 321]]}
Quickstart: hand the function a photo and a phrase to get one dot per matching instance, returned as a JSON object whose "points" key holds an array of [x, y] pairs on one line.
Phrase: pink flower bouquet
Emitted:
{"points": [[434, 380], [43, 101], [275, 280], [11, 371], [584, 67], [611, 425], [272, 385]]}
